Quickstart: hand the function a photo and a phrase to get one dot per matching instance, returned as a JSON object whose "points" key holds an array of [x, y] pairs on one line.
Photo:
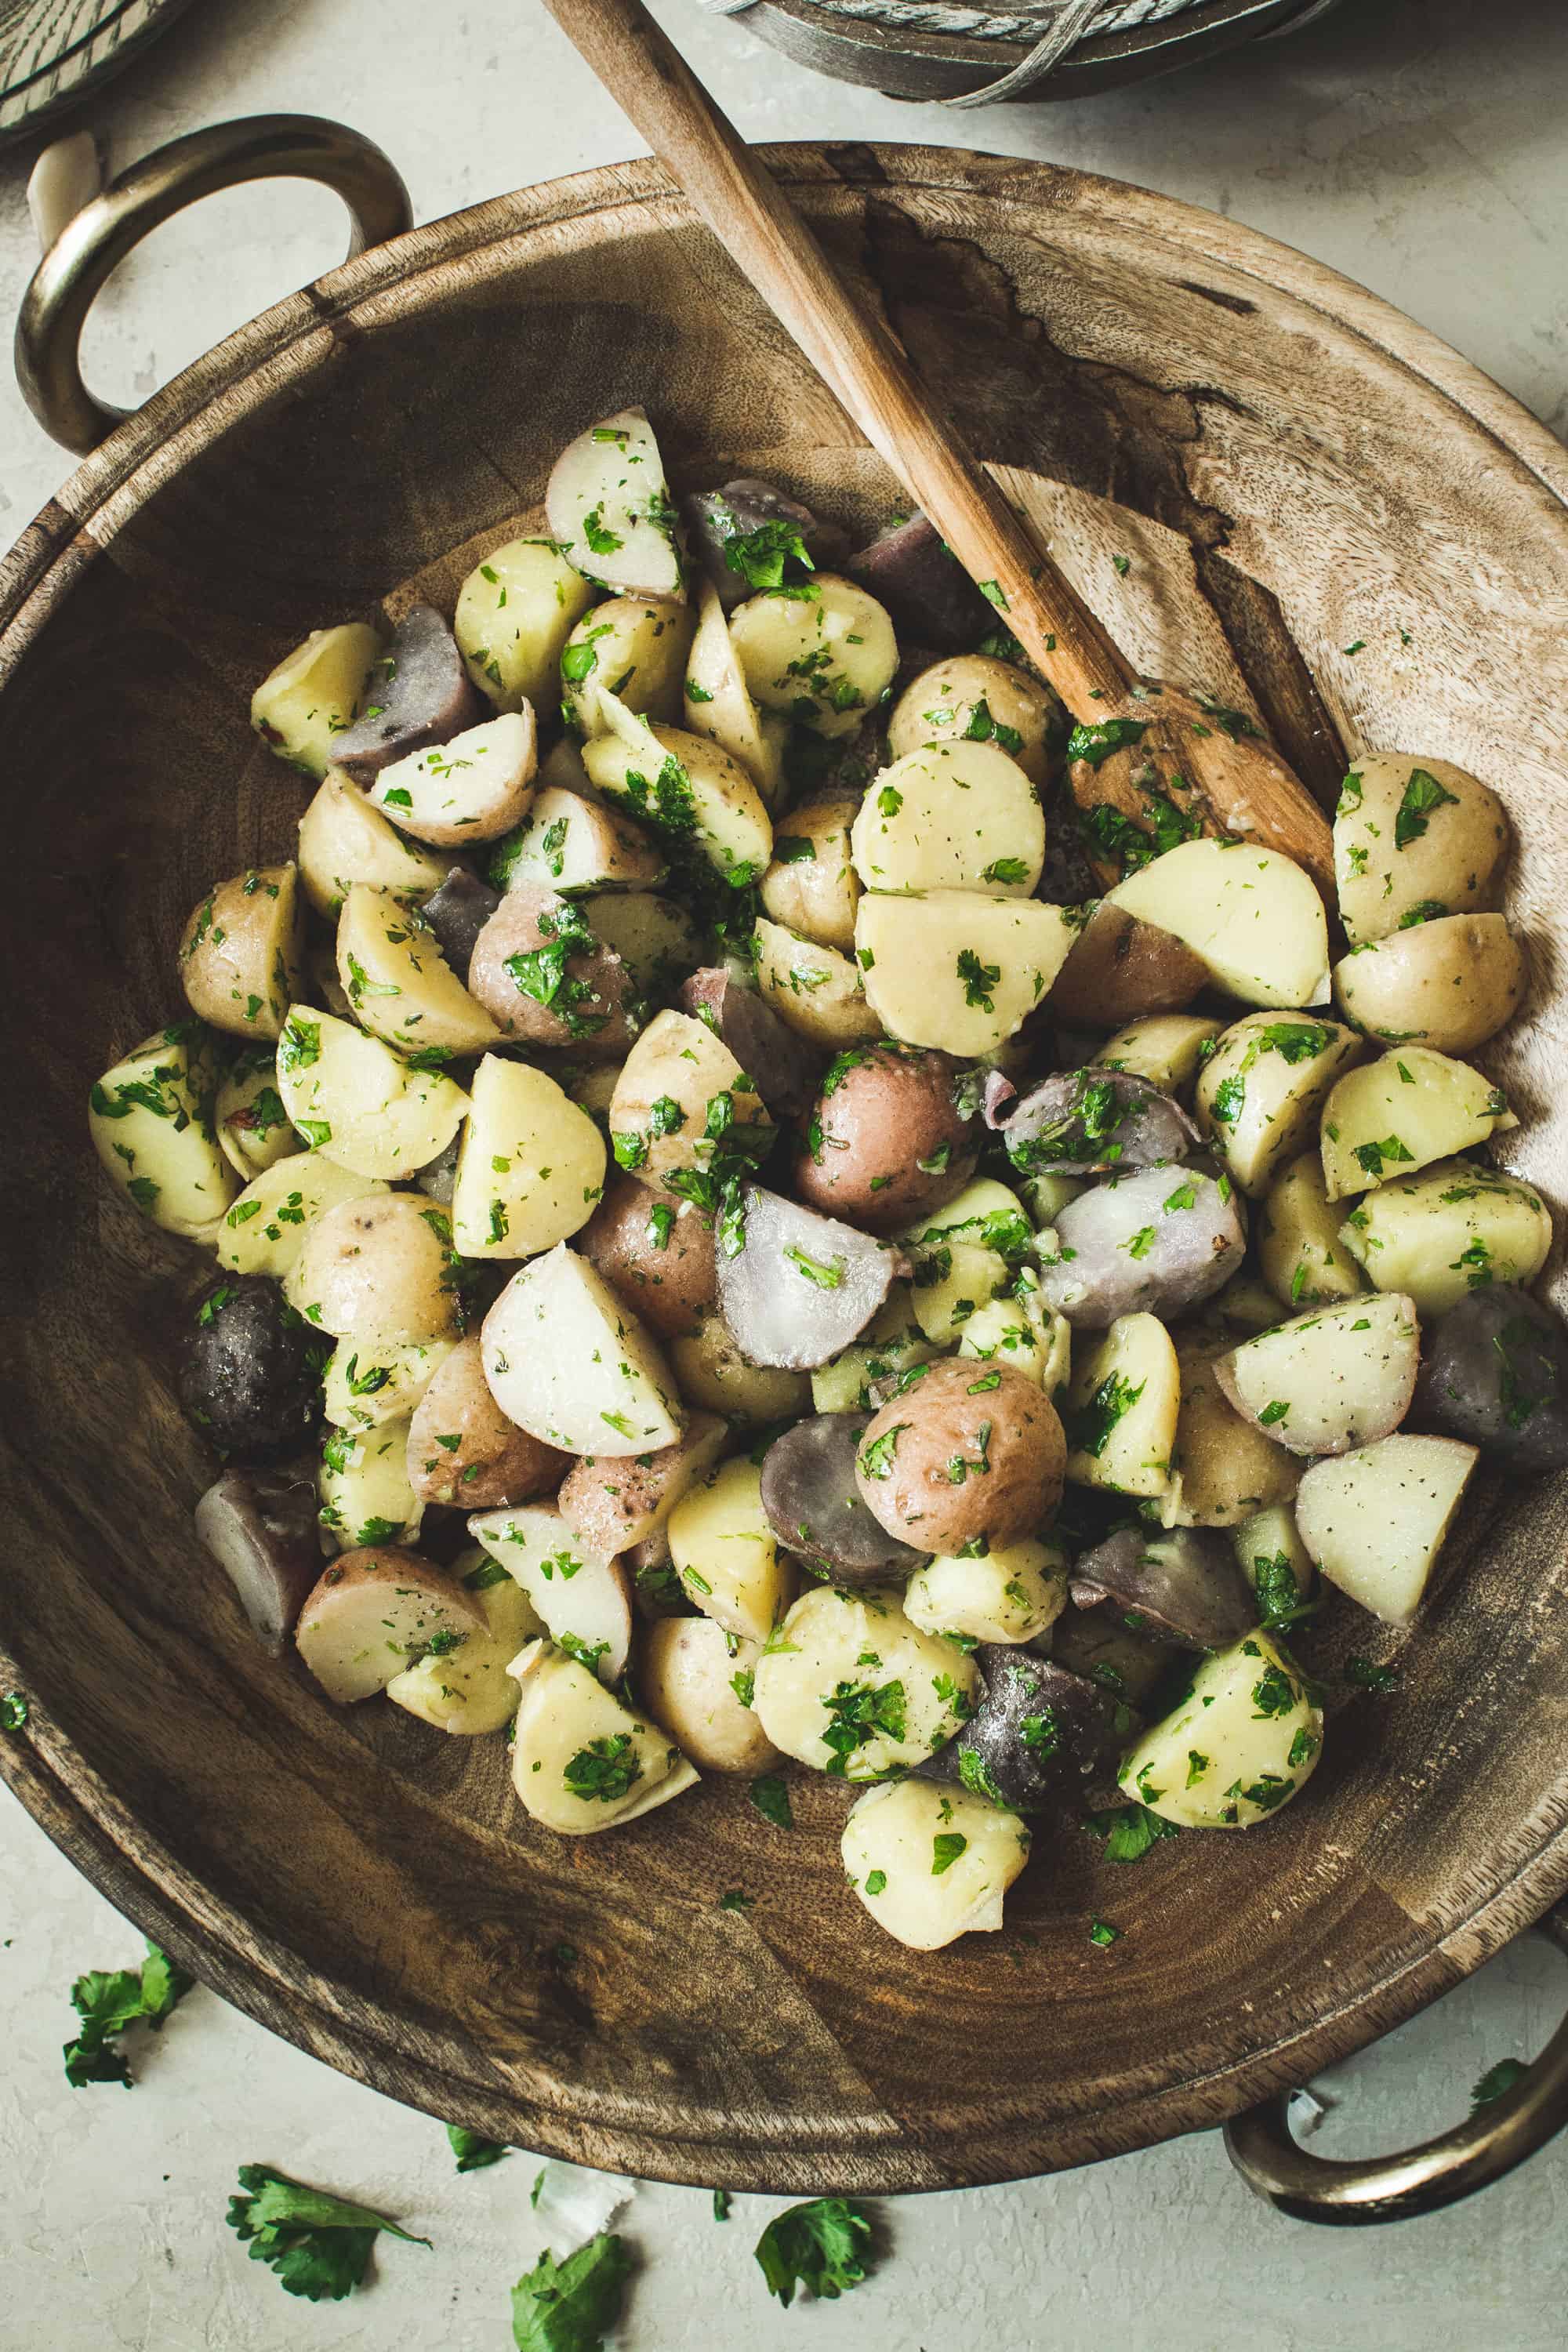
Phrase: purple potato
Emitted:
{"points": [[803, 1286], [1039, 1732], [1158, 1241], [456, 913], [1087, 1122], [929, 595], [1495, 1372], [261, 1526], [419, 694], [814, 1506], [1185, 1586], [785, 1067], [248, 1376], [715, 518]]}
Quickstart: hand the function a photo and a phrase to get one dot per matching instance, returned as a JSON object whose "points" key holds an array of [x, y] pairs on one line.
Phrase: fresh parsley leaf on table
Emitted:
{"points": [[108, 2001], [567, 2307], [319, 2246], [824, 2247], [1497, 2080], [472, 2149]]}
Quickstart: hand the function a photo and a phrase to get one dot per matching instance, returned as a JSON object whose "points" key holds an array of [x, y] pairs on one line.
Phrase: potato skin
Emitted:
{"points": [[597, 1022], [241, 952], [1119, 968], [493, 1461], [378, 1268], [942, 701], [989, 1422], [1495, 1372], [685, 1672], [882, 1110], [671, 1288], [815, 896], [1450, 983], [247, 1377]]}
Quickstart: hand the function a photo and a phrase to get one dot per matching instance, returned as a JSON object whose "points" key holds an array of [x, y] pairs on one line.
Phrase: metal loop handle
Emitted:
{"points": [[1490, 2142], [71, 274]]}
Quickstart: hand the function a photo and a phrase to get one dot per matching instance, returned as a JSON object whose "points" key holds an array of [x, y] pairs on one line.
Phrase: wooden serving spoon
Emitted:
{"points": [[1153, 755]]}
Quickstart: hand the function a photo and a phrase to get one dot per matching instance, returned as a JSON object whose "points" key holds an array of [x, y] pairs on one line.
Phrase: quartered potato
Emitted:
{"points": [[376, 1610], [240, 955], [465, 1688], [358, 1103], [472, 789], [572, 1365], [315, 694], [683, 1108], [609, 509], [581, 1759], [614, 1505], [343, 840], [398, 984], [1259, 1093], [1159, 1240], [1374, 1521], [568, 843], [717, 703], [151, 1121], [849, 1685], [631, 648], [820, 652], [952, 816], [381, 1268], [367, 1381], [464, 1453], [365, 1495], [816, 989], [1011, 1594], [582, 1597], [1224, 1468], [1245, 1741], [711, 1373], [531, 1165], [977, 699], [1122, 968], [696, 1679], [515, 612], [1254, 920], [726, 1553], [418, 694], [1169, 1049], [891, 1342], [1453, 1228], [1415, 837], [931, 1864], [253, 1129], [958, 969], [687, 789], [1338, 1377], [1121, 1407], [264, 1231], [1450, 981], [1300, 1254], [1395, 1115], [811, 888]]}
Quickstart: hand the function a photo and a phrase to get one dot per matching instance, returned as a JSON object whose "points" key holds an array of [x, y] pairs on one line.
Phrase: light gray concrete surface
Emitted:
{"points": [[1418, 145]]}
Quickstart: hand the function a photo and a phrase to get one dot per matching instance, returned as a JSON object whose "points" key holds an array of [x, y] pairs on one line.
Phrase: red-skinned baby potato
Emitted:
{"points": [[886, 1141], [1119, 967], [464, 1453], [970, 1452], [658, 1255], [538, 986]]}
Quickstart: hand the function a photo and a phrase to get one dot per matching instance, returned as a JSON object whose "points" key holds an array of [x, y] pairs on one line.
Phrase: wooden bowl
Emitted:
{"points": [[1294, 470]]}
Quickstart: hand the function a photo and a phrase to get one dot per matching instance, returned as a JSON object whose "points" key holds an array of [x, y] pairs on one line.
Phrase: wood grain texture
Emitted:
{"points": [[54, 52], [1293, 467]]}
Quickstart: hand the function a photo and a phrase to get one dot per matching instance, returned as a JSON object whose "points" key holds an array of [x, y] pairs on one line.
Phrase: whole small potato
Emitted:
{"points": [[887, 1139], [658, 1255], [1121, 968], [247, 1375], [543, 976], [464, 1453], [1448, 983], [969, 1452], [378, 1268], [812, 887], [240, 957], [692, 1673], [982, 700]]}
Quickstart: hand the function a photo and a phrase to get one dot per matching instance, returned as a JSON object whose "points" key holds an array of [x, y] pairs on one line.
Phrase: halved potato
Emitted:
{"points": [[1394, 1116], [1450, 1230], [1300, 1254], [726, 1554], [1450, 982], [979, 700], [717, 705], [812, 887], [1244, 1741], [1259, 1093], [358, 1103], [951, 815], [568, 843], [713, 1373], [374, 1610], [582, 1760], [363, 1486], [694, 1675], [617, 1504], [399, 985], [812, 988], [609, 509], [315, 693], [378, 1269], [264, 1231], [530, 1165], [851, 1686], [1253, 918], [931, 1864], [683, 1100], [343, 840], [821, 651], [1338, 1377], [631, 648], [474, 788], [1011, 1594], [367, 1381], [1415, 834], [582, 1597], [515, 611], [958, 969], [468, 1690], [572, 1365], [1169, 1049], [151, 1122], [1375, 1520], [240, 952], [684, 787], [1122, 1407]]}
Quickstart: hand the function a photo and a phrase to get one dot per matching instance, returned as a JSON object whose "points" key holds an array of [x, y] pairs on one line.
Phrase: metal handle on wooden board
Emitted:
{"points": [[68, 280], [1354, 2192]]}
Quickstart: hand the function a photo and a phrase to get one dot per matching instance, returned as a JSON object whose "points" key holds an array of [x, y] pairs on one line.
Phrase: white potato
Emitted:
{"points": [[633, 649], [582, 1760], [368, 1382], [1244, 1741], [253, 1129], [655, 938], [954, 1283], [1336, 1376], [363, 1486], [583, 1598], [679, 1095], [571, 845], [314, 694], [1254, 919], [474, 788], [531, 1165], [1011, 1594], [358, 1103], [1450, 981], [1375, 1520], [812, 887], [850, 1686], [1122, 1406], [343, 840], [812, 988], [1275, 1562], [958, 969], [1452, 1228], [1300, 1254], [726, 1554], [1397, 1115], [932, 1863], [980, 700], [693, 1675], [398, 983], [684, 787], [569, 1363], [951, 816], [712, 1373], [1415, 834], [1169, 1049], [372, 1612], [240, 951], [515, 611], [1224, 1468], [609, 509], [821, 651], [151, 1121], [1259, 1093], [717, 705], [467, 1690], [265, 1229], [378, 1269], [1021, 1331], [891, 1342]]}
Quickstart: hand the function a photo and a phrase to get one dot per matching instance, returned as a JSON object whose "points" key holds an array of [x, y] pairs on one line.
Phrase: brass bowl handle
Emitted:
{"points": [[1495, 2138], [69, 278]]}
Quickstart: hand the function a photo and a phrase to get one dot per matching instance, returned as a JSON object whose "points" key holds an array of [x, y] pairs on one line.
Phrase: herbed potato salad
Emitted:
{"points": [[762, 1281]]}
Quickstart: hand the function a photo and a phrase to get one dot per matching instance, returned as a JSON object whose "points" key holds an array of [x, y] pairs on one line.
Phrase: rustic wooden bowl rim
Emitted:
{"points": [[77, 1809]]}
